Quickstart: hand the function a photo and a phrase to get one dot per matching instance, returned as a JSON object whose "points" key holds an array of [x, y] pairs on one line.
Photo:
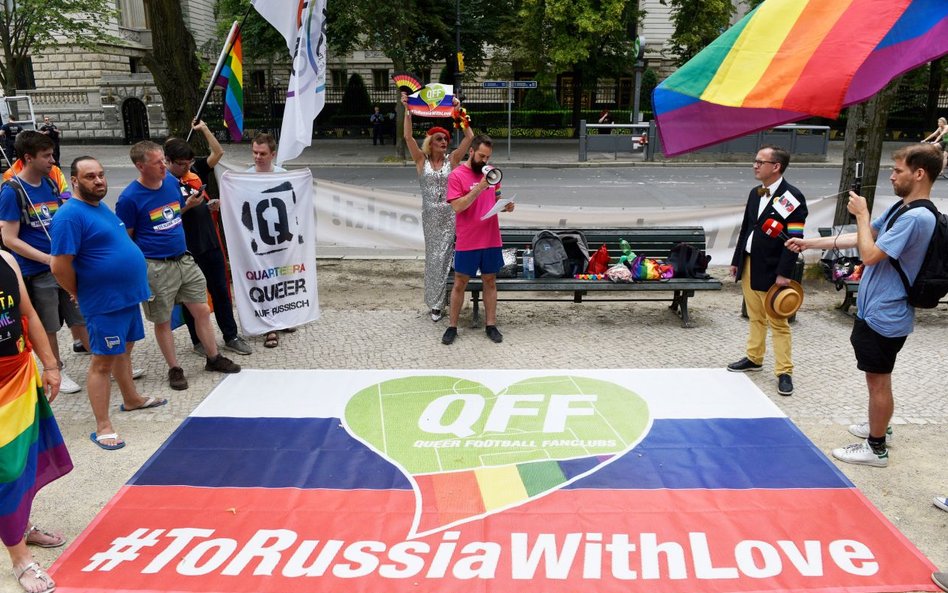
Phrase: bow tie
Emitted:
{"points": [[763, 191]]}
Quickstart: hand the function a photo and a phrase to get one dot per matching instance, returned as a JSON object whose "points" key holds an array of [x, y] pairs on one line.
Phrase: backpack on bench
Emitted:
{"points": [[560, 254]]}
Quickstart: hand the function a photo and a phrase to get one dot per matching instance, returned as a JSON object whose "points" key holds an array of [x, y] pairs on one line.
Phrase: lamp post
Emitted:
{"points": [[458, 92]]}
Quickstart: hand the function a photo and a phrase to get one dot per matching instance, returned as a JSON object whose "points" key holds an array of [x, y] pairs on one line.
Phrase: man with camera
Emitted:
{"points": [[473, 189], [884, 317]]}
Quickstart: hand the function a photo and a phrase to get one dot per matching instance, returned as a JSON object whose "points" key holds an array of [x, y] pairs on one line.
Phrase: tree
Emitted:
{"points": [[174, 64], [356, 100], [414, 34], [697, 24], [589, 39], [29, 27]]}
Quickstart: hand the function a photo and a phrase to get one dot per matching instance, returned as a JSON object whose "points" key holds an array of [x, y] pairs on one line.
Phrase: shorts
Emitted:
{"points": [[172, 282], [53, 304], [488, 261], [110, 332], [875, 353]]}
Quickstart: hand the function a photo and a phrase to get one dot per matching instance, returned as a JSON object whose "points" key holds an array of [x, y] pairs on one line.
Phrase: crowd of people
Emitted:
{"points": [[69, 252]]}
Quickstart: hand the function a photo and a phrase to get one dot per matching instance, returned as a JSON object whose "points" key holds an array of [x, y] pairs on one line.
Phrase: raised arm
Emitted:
{"points": [[458, 154], [416, 154], [217, 151]]}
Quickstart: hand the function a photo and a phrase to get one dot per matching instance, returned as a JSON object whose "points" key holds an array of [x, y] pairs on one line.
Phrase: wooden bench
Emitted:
{"points": [[653, 242], [851, 287]]}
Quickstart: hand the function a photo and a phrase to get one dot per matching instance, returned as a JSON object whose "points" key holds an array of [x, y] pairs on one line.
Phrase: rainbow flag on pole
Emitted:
{"points": [[791, 59], [231, 79], [32, 452]]}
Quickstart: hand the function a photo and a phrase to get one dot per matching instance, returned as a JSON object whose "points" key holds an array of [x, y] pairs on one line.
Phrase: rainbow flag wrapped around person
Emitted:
{"points": [[32, 451]]}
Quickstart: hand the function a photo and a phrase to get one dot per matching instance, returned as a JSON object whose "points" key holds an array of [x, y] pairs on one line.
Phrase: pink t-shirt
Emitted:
{"points": [[472, 232]]}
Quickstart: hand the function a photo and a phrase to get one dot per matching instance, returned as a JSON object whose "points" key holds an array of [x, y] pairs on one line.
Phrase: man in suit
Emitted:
{"points": [[760, 261]]}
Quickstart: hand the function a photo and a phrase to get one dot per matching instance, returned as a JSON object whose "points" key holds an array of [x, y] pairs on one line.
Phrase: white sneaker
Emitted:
{"points": [[136, 374], [941, 502], [67, 385], [862, 454], [862, 431]]}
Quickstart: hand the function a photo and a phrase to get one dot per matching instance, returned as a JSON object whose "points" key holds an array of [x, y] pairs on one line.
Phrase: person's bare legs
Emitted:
{"points": [[881, 403], [203, 328], [490, 298], [98, 386], [457, 297], [166, 343]]}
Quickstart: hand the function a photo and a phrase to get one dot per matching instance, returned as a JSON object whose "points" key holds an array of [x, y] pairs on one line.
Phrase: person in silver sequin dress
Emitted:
{"points": [[437, 218]]}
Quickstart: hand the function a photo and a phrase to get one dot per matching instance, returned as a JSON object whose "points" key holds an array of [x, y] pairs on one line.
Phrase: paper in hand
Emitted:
{"points": [[499, 206]]}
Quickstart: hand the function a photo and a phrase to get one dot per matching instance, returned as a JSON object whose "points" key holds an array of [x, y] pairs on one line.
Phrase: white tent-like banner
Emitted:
{"points": [[271, 239]]}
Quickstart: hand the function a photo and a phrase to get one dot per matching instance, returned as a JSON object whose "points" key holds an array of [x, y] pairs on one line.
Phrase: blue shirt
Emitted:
{"points": [[155, 216], [110, 270], [882, 301], [40, 214]]}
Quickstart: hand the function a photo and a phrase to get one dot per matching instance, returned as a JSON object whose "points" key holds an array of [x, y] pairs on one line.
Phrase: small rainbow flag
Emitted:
{"points": [[32, 452], [231, 79], [791, 59]]}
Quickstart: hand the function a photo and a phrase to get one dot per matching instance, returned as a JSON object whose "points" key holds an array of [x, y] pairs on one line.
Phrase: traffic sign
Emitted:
{"points": [[523, 84], [494, 84]]}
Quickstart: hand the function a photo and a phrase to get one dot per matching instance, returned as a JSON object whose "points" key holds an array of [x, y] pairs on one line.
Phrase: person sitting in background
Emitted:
{"points": [[940, 139]]}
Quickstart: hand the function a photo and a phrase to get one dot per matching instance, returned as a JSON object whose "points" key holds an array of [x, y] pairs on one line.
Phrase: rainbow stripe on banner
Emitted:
{"points": [[32, 452], [791, 59], [231, 79], [665, 480]]}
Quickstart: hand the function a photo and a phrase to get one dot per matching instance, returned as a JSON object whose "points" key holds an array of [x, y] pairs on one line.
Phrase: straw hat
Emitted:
{"points": [[783, 301]]}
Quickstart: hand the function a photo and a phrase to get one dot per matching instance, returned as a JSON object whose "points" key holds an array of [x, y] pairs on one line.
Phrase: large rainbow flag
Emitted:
{"points": [[490, 481], [231, 79], [32, 452], [791, 59]]}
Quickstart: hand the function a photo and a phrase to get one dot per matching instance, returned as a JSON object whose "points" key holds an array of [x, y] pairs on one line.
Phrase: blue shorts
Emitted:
{"points": [[109, 332], [488, 261]]}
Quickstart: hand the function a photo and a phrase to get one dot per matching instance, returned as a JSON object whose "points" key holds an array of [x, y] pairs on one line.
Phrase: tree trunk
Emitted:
{"points": [[865, 130], [174, 64]]}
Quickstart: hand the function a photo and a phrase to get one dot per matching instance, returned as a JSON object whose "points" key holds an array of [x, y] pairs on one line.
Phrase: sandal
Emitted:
{"points": [[34, 573], [35, 536], [271, 341]]}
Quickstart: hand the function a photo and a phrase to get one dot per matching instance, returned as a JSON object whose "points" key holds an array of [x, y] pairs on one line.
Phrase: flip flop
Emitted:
{"points": [[104, 437], [151, 402], [272, 340], [35, 572]]}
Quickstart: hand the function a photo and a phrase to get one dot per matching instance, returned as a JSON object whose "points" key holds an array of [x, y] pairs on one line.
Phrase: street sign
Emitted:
{"points": [[523, 84], [494, 84]]}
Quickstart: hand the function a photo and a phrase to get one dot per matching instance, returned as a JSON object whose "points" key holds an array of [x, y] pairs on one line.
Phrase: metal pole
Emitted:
{"points": [[458, 91], [509, 109], [638, 91]]}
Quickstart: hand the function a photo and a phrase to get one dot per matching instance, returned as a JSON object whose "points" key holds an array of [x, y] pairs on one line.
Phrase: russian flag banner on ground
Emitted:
{"points": [[658, 481]]}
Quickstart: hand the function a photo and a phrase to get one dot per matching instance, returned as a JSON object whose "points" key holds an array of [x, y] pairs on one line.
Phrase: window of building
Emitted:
{"points": [[135, 65], [24, 74], [380, 79], [339, 78]]}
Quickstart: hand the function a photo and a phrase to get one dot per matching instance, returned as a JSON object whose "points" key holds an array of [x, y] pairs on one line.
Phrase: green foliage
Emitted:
{"points": [[356, 100], [29, 27], [260, 41], [697, 23], [540, 99], [649, 82]]}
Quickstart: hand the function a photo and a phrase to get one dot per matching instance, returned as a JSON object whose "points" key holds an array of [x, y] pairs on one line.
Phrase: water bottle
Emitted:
{"points": [[528, 263]]}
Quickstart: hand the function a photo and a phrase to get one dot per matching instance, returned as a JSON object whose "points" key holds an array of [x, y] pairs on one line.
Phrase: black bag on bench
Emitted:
{"points": [[560, 254]]}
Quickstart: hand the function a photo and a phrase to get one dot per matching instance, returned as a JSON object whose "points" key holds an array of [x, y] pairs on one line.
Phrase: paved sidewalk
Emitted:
{"points": [[550, 152], [373, 317]]}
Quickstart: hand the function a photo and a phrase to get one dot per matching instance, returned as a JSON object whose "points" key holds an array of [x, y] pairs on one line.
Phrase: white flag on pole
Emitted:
{"points": [[271, 238], [302, 23]]}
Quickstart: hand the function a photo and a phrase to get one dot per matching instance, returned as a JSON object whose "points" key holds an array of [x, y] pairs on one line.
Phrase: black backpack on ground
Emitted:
{"points": [[931, 283], [689, 262], [549, 255]]}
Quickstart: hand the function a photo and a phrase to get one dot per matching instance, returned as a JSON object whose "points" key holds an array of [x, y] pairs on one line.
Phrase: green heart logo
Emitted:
{"points": [[432, 94], [471, 452]]}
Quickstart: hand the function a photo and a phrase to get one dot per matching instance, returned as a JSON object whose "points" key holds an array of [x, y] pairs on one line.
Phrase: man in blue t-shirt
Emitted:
{"points": [[94, 260], [151, 208], [884, 318], [24, 228]]}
